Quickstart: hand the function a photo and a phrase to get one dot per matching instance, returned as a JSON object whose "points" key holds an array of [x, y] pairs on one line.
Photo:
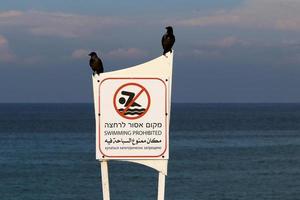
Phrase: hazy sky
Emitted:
{"points": [[225, 51]]}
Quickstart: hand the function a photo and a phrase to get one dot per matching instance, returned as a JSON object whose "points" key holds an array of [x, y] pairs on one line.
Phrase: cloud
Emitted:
{"points": [[218, 48], [60, 24], [80, 54], [129, 53], [288, 24], [3, 40], [224, 19], [229, 42], [263, 14], [6, 55], [10, 13], [208, 54], [33, 60], [115, 54], [292, 59]]}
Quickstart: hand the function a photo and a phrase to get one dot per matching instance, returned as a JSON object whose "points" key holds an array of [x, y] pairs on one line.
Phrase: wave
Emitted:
{"points": [[135, 111]]}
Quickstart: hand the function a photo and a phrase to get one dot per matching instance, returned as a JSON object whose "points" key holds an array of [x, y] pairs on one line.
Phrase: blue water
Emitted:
{"points": [[217, 152]]}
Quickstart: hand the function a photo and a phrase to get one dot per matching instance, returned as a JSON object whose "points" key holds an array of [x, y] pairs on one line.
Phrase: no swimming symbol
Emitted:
{"points": [[131, 101]]}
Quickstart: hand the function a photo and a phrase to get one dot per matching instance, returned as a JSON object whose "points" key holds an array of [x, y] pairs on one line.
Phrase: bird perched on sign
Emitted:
{"points": [[96, 63], [168, 40]]}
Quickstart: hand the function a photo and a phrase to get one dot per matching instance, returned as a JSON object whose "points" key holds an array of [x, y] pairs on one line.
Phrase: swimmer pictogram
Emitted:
{"points": [[131, 101]]}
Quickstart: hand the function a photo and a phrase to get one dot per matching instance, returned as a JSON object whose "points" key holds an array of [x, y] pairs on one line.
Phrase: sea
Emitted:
{"points": [[217, 152]]}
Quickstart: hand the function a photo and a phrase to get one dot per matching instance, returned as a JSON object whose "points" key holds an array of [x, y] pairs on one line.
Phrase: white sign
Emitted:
{"points": [[133, 117], [132, 112]]}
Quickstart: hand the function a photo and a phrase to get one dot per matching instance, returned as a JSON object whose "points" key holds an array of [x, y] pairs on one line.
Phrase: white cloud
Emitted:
{"points": [[3, 40], [223, 19], [6, 55], [115, 54], [229, 42], [209, 54], [59, 24], [130, 53], [263, 14], [33, 60], [80, 54], [217, 48], [289, 24], [10, 13]]}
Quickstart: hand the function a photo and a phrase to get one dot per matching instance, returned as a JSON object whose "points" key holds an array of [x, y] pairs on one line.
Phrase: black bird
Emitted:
{"points": [[96, 63], [168, 40]]}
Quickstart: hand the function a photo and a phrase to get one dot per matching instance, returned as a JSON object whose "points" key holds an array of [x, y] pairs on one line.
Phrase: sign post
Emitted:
{"points": [[105, 180], [132, 112]]}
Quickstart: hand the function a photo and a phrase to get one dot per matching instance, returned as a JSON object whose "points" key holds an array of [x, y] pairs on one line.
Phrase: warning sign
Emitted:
{"points": [[133, 118], [132, 101]]}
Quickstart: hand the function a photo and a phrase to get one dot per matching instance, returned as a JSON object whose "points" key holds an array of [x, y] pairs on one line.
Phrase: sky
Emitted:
{"points": [[229, 51]]}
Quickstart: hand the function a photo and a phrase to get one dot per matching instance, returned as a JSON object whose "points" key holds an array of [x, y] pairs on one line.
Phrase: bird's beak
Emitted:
{"points": [[90, 54]]}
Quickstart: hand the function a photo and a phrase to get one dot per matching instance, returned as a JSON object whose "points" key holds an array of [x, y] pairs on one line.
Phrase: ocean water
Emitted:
{"points": [[217, 152]]}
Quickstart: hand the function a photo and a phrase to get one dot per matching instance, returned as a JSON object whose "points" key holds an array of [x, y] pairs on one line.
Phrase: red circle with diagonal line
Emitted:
{"points": [[141, 92]]}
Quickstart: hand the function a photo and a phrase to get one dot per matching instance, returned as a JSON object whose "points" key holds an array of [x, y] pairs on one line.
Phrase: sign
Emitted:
{"points": [[126, 98], [132, 113], [133, 118]]}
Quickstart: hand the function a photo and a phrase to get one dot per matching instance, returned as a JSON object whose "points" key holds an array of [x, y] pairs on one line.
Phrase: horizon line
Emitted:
{"points": [[171, 102]]}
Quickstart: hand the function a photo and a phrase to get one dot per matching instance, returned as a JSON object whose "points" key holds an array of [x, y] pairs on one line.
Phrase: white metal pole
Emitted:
{"points": [[105, 180], [161, 186]]}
